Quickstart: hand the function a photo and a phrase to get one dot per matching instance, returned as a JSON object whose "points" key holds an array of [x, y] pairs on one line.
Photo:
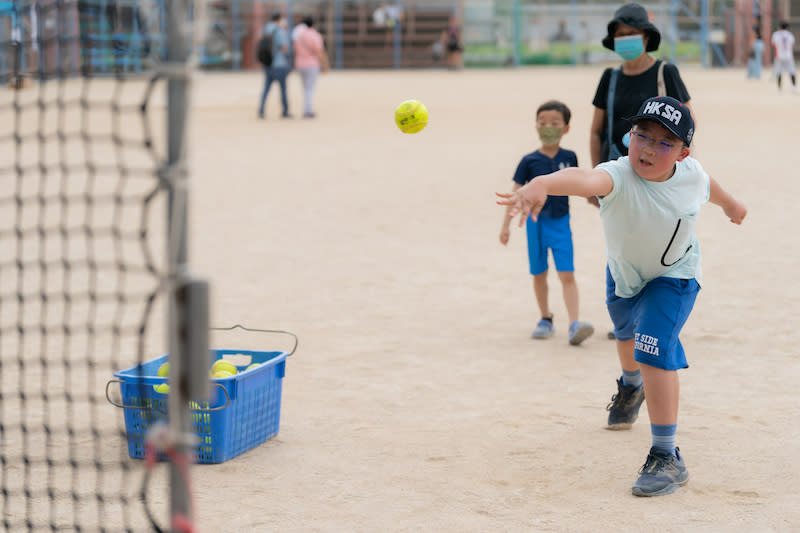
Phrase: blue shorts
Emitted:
{"points": [[654, 319], [550, 234]]}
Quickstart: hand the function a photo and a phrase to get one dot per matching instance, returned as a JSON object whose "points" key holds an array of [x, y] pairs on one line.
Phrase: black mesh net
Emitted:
{"points": [[82, 252]]}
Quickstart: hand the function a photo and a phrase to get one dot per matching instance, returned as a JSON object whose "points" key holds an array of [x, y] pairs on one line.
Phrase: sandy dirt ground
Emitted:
{"points": [[417, 400]]}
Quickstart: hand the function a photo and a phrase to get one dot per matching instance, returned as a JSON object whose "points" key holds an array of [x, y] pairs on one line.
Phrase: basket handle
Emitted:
{"points": [[296, 341], [123, 406]]}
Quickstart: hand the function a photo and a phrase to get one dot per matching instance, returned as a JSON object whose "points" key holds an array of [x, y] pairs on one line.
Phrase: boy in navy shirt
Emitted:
{"points": [[551, 231]]}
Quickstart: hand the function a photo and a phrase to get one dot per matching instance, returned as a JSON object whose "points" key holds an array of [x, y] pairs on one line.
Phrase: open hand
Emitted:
{"points": [[524, 205]]}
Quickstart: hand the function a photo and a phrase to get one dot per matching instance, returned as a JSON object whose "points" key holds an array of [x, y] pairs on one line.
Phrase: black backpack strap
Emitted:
{"points": [[612, 90]]}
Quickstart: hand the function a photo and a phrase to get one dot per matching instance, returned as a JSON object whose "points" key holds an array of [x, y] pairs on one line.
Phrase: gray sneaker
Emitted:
{"points": [[623, 410], [544, 329], [662, 473], [579, 332]]}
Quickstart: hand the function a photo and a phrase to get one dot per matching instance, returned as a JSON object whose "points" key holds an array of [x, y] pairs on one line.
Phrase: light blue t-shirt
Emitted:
{"points": [[280, 39], [649, 226]]}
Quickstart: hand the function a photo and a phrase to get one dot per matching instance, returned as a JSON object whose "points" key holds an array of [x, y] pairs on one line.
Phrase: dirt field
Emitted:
{"points": [[417, 400]]}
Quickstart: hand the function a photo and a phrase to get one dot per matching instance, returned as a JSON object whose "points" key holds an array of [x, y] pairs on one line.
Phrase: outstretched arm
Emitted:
{"points": [[530, 199], [733, 208]]}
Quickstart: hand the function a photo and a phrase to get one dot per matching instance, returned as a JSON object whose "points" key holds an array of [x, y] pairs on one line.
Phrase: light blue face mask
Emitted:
{"points": [[629, 47]]}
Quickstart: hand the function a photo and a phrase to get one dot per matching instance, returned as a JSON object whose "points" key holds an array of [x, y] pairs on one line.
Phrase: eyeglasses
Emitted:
{"points": [[662, 147]]}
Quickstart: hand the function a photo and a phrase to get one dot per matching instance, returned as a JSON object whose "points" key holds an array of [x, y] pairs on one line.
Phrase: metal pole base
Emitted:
{"points": [[18, 82]]}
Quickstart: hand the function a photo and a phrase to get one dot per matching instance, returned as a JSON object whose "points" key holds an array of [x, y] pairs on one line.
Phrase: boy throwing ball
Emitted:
{"points": [[649, 204]]}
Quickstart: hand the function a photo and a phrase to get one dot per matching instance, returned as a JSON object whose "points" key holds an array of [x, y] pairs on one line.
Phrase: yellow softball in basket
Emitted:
{"points": [[222, 364]]}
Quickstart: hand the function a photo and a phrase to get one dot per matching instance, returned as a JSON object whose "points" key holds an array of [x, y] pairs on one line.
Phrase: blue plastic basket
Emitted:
{"points": [[236, 419]]}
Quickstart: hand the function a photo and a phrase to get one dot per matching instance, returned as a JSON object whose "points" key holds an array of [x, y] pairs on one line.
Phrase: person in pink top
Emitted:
{"points": [[310, 59]]}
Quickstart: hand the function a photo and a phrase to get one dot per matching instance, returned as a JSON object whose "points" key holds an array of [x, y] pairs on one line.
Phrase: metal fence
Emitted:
{"points": [[105, 36], [524, 32]]}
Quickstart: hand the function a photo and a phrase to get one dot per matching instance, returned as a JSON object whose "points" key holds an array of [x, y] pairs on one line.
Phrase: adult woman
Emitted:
{"points": [[309, 59], [641, 76]]}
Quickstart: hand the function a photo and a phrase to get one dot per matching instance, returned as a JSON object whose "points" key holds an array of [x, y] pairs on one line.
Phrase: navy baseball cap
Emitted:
{"points": [[670, 113]]}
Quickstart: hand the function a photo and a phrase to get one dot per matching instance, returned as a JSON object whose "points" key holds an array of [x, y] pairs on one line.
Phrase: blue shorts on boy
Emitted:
{"points": [[552, 231], [653, 318], [552, 234]]}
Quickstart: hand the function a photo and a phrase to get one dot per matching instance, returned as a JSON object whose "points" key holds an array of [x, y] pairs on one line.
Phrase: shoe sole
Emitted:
{"points": [[534, 335], [620, 426], [581, 335], [669, 489]]}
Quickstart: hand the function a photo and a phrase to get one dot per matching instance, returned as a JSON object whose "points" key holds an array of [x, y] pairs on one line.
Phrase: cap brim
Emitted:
{"points": [[661, 120]]}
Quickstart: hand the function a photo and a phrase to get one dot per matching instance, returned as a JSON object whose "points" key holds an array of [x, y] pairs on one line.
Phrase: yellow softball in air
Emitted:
{"points": [[411, 116]]}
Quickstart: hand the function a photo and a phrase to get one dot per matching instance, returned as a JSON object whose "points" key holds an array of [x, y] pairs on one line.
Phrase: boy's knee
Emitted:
{"points": [[567, 278]]}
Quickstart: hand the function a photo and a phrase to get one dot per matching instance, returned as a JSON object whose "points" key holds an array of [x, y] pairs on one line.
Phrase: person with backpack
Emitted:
{"points": [[273, 54], [623, 89]]}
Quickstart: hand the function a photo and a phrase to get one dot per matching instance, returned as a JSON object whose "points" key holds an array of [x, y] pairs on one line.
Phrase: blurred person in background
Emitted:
{"points": [[783, 46], [756, 53], [310, 58], [279, 69], [453, 44]]}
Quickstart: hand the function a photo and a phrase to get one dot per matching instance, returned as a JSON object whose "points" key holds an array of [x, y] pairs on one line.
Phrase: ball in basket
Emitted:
{"points": [[411, 116], [222, 364]]}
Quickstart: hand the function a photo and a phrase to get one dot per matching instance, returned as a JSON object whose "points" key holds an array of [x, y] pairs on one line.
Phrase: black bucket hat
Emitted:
{"points": [[635, 16]]}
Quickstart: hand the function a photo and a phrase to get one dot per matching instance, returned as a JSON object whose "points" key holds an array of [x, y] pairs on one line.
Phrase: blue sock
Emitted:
{"points": [[664, 437], [632, 378]]}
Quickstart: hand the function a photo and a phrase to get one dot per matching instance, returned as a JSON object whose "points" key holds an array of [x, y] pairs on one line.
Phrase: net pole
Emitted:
{"points": [[705, 50], [516, 30], [339, 47], [236, 49], [177, 56], [397, 38], [673, 32], [573, 31]]}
